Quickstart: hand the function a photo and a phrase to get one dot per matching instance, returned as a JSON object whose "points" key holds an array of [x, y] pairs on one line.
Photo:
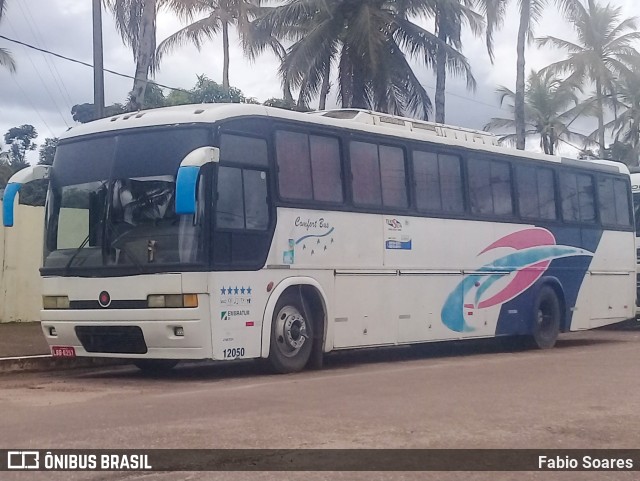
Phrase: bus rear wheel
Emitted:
{"points": [[156, 366], [546, 322], [291, 341]]}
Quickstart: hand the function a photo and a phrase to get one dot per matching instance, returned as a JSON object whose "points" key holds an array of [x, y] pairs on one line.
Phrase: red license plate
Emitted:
{"points": [[63, 351]]}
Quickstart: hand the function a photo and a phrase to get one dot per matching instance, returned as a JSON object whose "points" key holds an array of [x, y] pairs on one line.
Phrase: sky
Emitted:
{"points": [[44, 88]]}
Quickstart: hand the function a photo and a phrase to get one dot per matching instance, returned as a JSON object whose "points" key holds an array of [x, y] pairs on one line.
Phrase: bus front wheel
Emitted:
{"points": [[546, 321], [291, 340]]}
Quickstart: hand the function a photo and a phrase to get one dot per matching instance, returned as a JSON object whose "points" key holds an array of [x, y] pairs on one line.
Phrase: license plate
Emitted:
{"points": [[63, 351]]}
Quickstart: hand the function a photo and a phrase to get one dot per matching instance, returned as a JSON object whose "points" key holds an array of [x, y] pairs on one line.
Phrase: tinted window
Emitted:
{"points": [[242, 199], [365, 171], [577, 197], [490, 187], [294, 165], [536, 193], [501, 188], [613, 199], [394, 187], [248, 150], [586, 198], [480, 196], [230, 208], [326, 169], [309, 167], [438, 182], [623, 209]]}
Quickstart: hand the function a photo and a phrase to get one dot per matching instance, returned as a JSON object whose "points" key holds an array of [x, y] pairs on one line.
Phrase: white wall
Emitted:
{"points": [[20, 260]]}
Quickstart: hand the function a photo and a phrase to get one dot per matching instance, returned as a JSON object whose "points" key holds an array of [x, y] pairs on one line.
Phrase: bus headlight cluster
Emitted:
{"points": [[55, 302], [172, 300]]}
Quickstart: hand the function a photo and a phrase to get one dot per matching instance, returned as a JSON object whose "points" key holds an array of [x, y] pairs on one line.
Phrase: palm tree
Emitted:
{"points": [[219, 16], [603, 53], [551, 105], [136, 23], [626, 126], [366, 41], [530, 14], [450, 15], [6, 59]]}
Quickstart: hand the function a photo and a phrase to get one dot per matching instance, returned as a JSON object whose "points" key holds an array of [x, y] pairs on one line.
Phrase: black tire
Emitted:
{"points": [[156, 366], [291, 340], [546, 319]]}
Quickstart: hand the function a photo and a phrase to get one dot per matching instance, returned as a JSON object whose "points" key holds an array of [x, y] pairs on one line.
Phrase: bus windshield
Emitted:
{"points": [[111, 203]]}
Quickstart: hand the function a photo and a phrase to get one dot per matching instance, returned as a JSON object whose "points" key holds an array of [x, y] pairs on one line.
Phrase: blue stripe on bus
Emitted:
{"points": [[10, 193], [186, 182]]}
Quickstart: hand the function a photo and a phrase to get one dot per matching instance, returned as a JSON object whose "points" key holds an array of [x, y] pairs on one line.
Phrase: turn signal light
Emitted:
{"points": [[55, 302], [172, 300]]}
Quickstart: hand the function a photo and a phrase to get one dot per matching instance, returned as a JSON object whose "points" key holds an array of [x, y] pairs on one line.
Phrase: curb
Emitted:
{"points": [[47, 362]]}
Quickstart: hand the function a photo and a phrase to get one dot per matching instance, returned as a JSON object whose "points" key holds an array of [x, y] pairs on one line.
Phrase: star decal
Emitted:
{"points": [[248, 290], [223, 291], [235, 291], [242, 290]]}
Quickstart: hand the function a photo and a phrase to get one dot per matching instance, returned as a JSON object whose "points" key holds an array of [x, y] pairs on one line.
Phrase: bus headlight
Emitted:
{"points": [[55, 302], [155, 301]]}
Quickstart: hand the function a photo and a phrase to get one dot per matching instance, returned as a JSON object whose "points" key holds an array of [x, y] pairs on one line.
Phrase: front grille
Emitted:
{"points": [[124, 304], [112, 339]]}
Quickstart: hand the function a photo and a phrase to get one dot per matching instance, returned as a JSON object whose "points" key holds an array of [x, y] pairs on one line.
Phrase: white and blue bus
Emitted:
{"points": [[239, 231]]}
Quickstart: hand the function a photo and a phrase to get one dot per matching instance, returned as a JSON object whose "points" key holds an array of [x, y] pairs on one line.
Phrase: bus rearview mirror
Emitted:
{"points": [[17, 180], [187, 178]]}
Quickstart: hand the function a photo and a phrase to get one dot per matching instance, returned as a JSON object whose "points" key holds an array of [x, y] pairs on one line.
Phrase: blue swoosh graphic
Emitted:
{"points": [[314, 235], [452, 313]]}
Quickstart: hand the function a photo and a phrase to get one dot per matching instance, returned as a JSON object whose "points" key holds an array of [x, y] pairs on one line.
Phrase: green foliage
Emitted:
{"points": [[48, 151], [21, 141], [284, 104], [84, 113], [207, 91]]}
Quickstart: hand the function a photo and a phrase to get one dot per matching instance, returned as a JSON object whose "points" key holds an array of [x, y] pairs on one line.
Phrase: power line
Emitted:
{"points": [[32, 105], [86, 64], [46, 88], [33, 26]]}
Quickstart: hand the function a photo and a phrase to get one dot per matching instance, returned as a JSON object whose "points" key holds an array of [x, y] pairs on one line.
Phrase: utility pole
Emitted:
{"points": [[98, 67]]}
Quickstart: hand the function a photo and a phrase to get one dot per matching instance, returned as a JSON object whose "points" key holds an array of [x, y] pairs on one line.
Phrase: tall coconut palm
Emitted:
{"points": [[551, 105], [450, 16], [604, 51], [368, 41], [626, 126], [219, 16], [530, 15], [136, 23], [6, 59]]}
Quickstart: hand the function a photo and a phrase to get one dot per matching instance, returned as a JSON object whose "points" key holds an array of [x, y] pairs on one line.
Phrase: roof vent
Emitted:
{"points": [[199, 111], [391, 120]]}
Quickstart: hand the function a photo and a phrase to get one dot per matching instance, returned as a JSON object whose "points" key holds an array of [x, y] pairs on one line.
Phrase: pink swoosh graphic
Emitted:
{"points": [[521, 281], [525, 238]]}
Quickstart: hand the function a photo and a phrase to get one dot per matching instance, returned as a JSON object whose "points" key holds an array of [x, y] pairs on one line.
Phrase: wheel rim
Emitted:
{"points": [[545, 317], [291, 331]]}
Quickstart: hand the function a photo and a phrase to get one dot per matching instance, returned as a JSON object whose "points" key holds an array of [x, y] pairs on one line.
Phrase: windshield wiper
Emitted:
{"points": [[76, 252]]}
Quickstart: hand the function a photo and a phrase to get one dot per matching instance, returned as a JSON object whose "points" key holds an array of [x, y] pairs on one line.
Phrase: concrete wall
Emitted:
{"points": [[20, 260]]}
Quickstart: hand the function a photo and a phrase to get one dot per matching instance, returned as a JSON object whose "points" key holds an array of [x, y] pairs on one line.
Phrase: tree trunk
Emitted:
{"points": [[324, 90], [303, 87], [441, 72], [600, 114], [144, 55], [225, 55], [519, 100]]}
